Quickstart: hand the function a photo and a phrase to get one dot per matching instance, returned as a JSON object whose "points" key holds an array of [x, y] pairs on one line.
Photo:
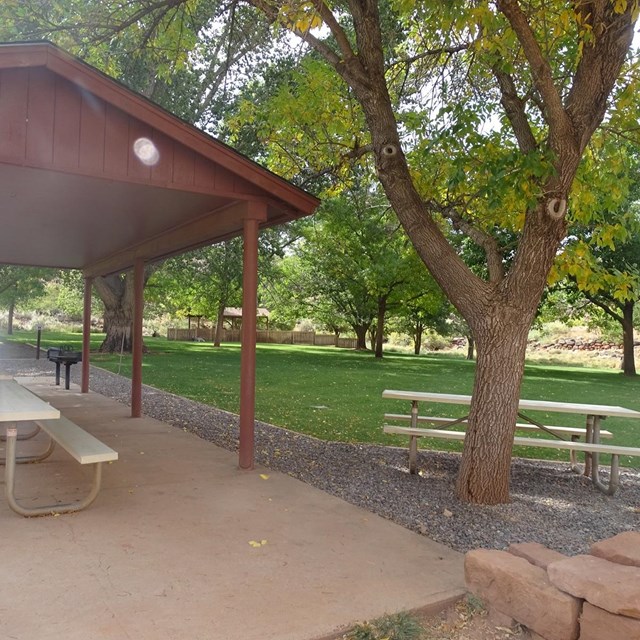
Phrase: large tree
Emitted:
{"points": [[547, 70]]}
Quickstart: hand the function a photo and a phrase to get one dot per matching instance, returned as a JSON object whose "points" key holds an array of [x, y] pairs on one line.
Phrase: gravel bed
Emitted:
{"points": [[550, 504]]}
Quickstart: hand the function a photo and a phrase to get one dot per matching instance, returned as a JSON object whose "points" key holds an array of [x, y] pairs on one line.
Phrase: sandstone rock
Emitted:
{"points": [[598, 624], [623, 548], [607, 585], [535, 553], [499, 619], [522, 591]]}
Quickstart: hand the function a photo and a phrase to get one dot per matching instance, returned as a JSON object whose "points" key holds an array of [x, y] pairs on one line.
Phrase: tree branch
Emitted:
{"points": [[514, 108], [485, 241], [432, 52], [599, 65], [541, 70], [606, 308]]}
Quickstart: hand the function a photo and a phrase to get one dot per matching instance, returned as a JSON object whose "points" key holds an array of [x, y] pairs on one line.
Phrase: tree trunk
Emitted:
{"points": [[628, 356], [219, 325], [117, 294], [417, 341], [336, 337], [12, 308], [471, 346], [361, 335], [118, 323], [382, 309], [485, 467]]}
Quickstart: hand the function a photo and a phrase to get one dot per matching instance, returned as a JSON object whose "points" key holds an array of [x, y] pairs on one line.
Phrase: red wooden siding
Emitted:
{"points": [[48, 122]]}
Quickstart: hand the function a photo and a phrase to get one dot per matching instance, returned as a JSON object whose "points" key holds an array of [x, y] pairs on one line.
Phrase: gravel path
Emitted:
{"points": [[550, 504]]}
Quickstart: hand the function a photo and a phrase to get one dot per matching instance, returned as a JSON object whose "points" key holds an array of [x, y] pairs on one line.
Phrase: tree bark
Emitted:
{"points": [[417, 339], [12, 308], [219, 324], [382, 309], [628, 355], [485, 468], [117, 294], [361, 336], [471, 345]]}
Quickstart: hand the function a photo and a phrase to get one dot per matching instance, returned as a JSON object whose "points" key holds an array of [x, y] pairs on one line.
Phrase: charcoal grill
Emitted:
{"points": [[65, 356]]}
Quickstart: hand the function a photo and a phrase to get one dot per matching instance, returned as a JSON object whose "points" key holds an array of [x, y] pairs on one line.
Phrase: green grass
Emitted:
{"points": [[336, 394]]}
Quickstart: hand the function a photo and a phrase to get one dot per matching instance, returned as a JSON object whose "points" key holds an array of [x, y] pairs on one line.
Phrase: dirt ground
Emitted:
{"points": [[469, 621]]}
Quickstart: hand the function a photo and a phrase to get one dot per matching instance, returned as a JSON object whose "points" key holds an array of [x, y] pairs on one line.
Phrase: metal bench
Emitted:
{"points": [[594, 449], [82, 446], [574, 433]]}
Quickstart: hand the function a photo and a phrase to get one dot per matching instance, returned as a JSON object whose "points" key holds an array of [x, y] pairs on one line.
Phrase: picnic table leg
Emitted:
{"points": [[28, 512], [413, 441], [588, 460], [614, 479], [413, 454], [573, 457]]}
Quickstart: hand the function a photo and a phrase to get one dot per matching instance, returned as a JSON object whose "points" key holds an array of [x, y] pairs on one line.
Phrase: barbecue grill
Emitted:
{"points": [[65, 356]]}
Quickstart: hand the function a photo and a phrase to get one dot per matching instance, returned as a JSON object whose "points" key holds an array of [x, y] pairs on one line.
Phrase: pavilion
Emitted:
{"points": [[95, 177]]}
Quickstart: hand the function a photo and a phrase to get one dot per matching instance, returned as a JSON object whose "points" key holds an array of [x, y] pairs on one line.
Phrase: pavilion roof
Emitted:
{"points": [[94, 176]]}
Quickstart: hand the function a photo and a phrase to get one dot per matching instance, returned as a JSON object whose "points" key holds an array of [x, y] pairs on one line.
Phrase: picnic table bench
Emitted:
{"points": [[592, 433], [21, 405]]}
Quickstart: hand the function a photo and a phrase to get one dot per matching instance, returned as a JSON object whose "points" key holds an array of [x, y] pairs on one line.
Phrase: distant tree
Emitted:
{"points": [[601, 258], [19, 284], [202, 282]]}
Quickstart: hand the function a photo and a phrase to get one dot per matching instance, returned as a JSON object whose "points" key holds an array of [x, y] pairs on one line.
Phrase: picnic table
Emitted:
{"points": [[592, 447], [18, 404]]}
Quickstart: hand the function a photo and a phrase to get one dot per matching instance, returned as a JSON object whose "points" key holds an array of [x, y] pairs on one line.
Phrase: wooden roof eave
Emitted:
{"points": [[77, 72]]}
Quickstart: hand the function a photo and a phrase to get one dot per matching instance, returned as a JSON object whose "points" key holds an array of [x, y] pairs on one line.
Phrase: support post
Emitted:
{"points": [[136, 364], [86, 335], [256, 212]]}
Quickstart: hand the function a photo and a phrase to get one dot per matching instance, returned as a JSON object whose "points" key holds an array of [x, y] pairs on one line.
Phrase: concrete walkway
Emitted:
{"points": [[181, 545]]}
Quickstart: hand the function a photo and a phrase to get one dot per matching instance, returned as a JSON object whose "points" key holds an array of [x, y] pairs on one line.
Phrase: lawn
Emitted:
{"points": [[335, 394]]}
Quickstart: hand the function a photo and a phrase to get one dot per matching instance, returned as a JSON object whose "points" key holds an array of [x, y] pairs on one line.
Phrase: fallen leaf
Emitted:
{"points": [[447, 513], [255, 544], [264, 476]]}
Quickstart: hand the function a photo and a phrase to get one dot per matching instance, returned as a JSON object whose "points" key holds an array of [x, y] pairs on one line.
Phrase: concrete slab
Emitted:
{"points": [[181, 545]]}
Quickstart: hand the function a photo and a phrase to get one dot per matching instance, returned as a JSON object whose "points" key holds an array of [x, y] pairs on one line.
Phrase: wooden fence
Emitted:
{"points": [[273, 337]]}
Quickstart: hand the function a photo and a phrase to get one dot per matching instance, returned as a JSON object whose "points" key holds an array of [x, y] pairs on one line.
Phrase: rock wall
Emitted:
{"points": [[585, 597]]}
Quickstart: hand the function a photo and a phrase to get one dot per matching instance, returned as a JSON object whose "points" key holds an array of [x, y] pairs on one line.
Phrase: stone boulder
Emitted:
{"points": [[522, 591], [598, 624], [623, 548], [535, 553], [610, 586]]}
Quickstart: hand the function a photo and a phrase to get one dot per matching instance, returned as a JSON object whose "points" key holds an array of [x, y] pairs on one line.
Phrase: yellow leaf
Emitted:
{"points": [[255, 544], [264, 476]]}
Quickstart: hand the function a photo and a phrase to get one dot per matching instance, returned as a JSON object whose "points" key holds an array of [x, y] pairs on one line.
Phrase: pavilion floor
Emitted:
{"points": [[182, 545]]}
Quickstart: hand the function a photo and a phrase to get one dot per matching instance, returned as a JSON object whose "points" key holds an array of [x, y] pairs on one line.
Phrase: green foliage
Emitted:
{"points": [[353, 254], [22, 284], [199, 282]]}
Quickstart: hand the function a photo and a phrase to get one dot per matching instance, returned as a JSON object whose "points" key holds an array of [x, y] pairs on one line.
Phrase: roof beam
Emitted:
{"points": [[215, 225]]}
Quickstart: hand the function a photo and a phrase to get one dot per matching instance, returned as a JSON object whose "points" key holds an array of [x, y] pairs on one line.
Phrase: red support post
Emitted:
{"points": [[86, 334], [136, 364], [255, 214]]}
